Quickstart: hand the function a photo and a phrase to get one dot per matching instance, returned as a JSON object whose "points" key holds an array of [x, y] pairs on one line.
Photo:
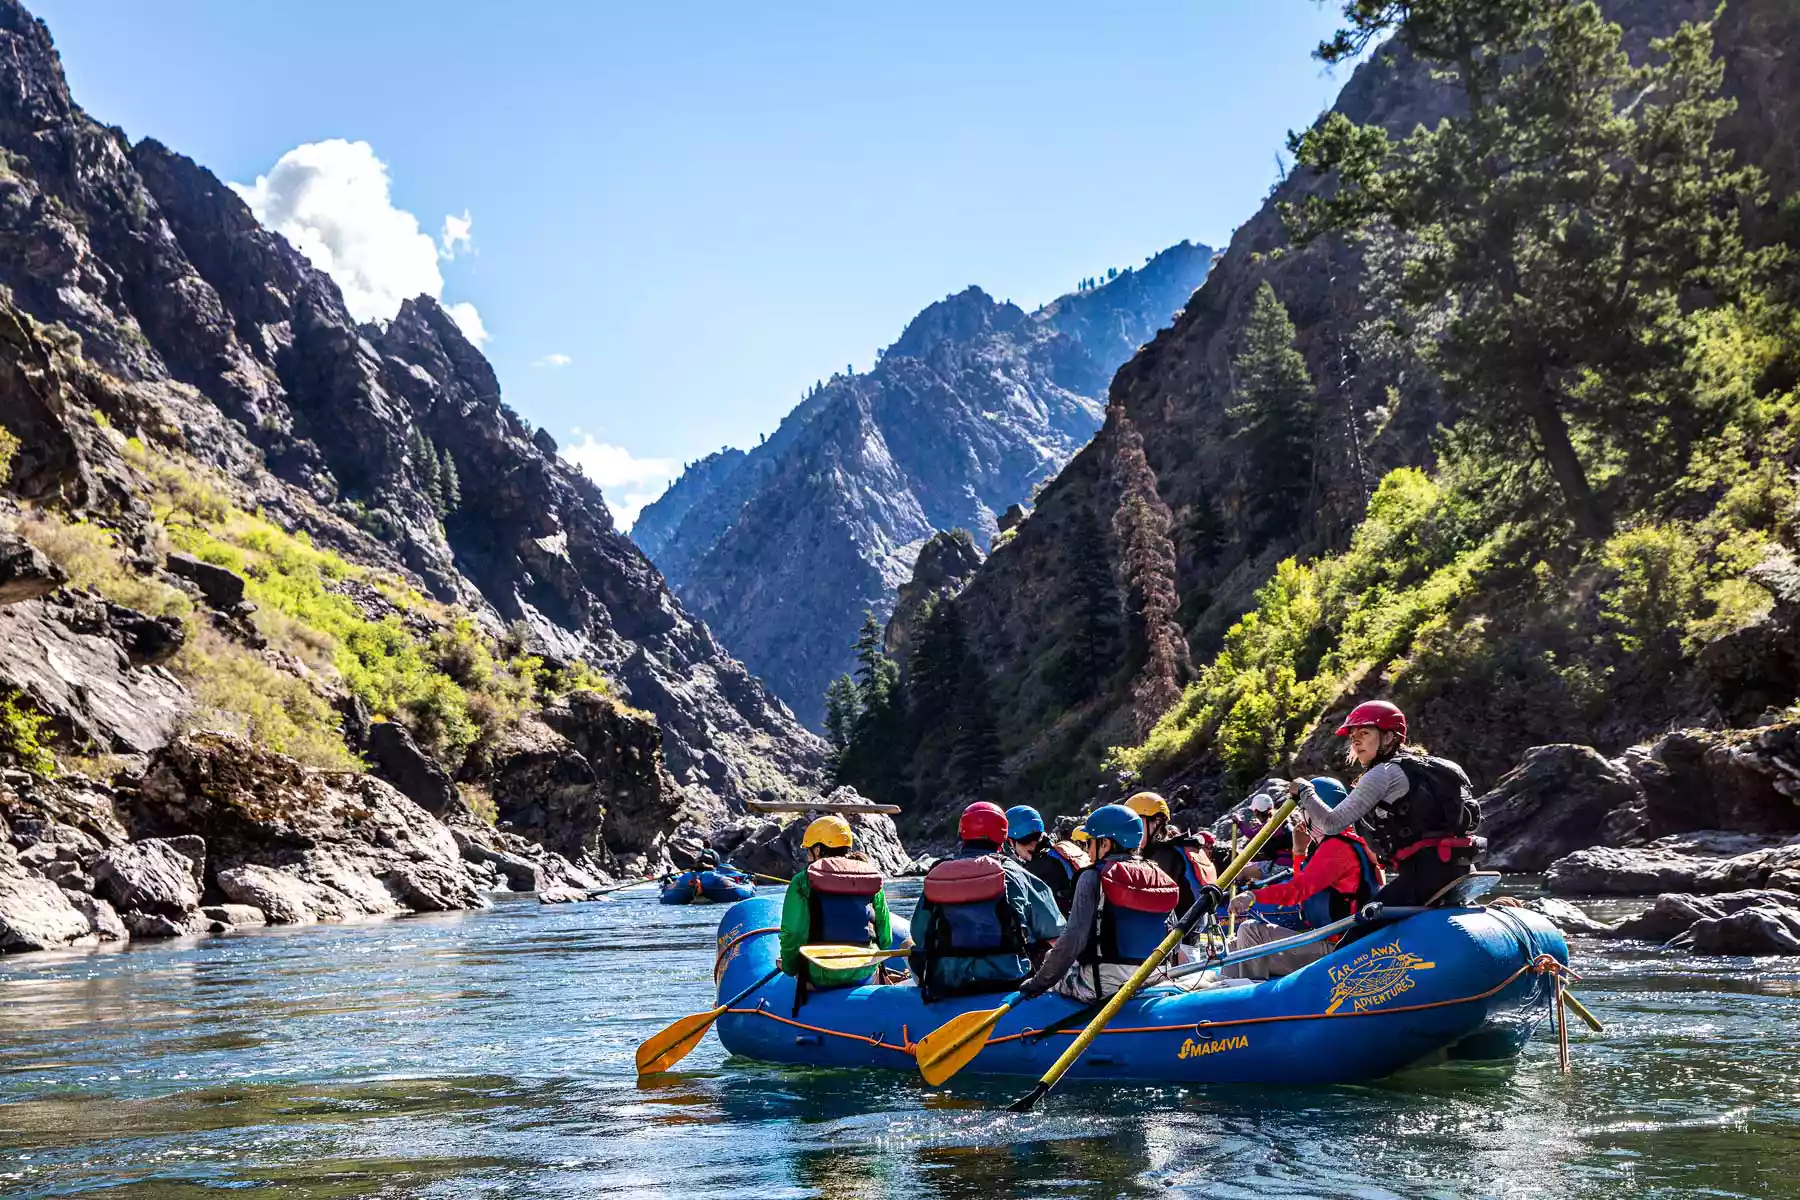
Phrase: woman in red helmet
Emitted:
{"points": [[1417, 812]]}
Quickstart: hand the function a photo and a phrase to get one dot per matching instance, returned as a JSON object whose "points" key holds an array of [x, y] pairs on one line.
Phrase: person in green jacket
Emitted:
{"points": [[836, 900]]}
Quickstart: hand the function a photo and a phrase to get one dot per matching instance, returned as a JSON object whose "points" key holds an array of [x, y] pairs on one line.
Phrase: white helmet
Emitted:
{"points": [[1261, 802]]}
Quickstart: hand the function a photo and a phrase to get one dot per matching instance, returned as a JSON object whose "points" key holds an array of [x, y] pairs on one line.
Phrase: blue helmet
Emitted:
{"points": [[1328, 790], [1116, 822], [1022, 821]]}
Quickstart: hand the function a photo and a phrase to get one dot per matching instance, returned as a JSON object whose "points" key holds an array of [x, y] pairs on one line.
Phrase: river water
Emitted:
{"points": [[490, 1054]]}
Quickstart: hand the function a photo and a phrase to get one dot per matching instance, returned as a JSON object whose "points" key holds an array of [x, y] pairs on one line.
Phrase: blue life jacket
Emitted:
{"points": [[1136, 898], [840, 907], [1328, 905], [976, 941]]}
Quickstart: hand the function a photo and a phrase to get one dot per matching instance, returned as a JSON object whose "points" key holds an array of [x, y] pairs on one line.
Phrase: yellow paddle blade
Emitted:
{"points": [[954, 1044], [848, 958], [665, 1049]]}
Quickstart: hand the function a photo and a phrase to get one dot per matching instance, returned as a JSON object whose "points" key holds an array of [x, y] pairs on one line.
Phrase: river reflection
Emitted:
{"points": [[490, 1054]]}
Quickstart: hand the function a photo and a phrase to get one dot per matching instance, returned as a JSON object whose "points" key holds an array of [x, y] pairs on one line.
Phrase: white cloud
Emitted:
{"points": [[469, 321], [456, 234], [553, 360], [331, 199], [630, 482]]}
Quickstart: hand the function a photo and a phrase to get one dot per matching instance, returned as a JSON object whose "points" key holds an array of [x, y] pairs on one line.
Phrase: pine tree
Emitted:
{"points": [[425, 463], [1275, 416], [1156, 650], [1567, 211], [1093, 612], [843, 705], [450, 484], [975, 749]]}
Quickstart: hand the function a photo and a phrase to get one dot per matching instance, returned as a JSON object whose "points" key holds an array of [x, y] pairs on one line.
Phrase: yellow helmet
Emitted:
{"points": [[1080, 836], [832, 832], [1147, 805]]}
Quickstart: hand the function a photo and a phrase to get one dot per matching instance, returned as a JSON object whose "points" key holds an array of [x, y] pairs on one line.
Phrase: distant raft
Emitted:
{"points": [[1451, 983], [724, 885]]}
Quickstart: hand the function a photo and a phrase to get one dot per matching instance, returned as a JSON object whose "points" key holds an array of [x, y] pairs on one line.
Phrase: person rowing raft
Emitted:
{"points": [[1417, 812]]}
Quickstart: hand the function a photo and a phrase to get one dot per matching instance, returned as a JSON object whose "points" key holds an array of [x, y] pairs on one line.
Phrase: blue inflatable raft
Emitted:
{"points": [[1458, 983], [722, 886]]}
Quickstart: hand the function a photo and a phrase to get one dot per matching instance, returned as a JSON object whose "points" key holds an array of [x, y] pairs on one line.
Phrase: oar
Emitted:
{"points": [[1148, 968], [1581, 1010], [848, 958], [665, 1049], [771, 878], [951, 1046]]}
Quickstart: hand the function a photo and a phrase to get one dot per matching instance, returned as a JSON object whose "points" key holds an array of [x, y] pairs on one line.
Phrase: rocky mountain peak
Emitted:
{"points": [[783, 548], [957, 319]]}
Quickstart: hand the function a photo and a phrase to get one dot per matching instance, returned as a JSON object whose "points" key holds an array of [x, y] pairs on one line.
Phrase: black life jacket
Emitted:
{"points": [[1439, 803], [840, 906], [1057, 865], [975, 919], [1136, 898], [1185, 860], [1324, 907]]}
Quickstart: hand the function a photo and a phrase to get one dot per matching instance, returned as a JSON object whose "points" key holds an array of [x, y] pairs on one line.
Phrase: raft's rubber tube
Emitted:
{"points": [[1448, 980]]}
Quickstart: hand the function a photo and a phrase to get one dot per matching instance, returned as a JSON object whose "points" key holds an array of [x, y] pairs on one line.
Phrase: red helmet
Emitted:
{"points": [[982, 822], [1379, 713]]}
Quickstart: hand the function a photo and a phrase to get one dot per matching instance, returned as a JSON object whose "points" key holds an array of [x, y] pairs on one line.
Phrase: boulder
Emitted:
{"points": [[25, 574], [35, 914], [1555, 801], [148, 927], [420, 778], [238, 916], [152, 876], [102, 920], [1764, 929], [545, 790], [1672, 864], [223, 589], [624, 749], [1675, 913], [772, 847], [1743, 780], [282, 898], [146, 640], [85, 681], [301, 845], [1566, 917]]}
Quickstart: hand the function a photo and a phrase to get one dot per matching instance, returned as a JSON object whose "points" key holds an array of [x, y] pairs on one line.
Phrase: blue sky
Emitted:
{"points": [[682, 214]]}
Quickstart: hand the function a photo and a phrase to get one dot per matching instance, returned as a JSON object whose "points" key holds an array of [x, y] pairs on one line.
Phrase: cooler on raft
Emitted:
{"points": [[708, 887], [1462, 983]]}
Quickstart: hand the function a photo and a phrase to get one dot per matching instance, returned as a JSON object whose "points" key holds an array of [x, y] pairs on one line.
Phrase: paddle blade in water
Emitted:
{"points": [[848, 958], [954, 1044], [665, 1049]]}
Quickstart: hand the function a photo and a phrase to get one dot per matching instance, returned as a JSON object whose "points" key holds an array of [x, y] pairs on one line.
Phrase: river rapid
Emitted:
{"points": [[490, 1054]]}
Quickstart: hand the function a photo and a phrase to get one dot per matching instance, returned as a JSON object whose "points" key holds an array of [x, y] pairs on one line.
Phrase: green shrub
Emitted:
{"points": [[90, 556], [22, 736], [238, 691]]}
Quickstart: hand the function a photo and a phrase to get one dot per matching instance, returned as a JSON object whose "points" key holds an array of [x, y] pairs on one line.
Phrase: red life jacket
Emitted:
{"points": [[974, 920], [841, 911], [1136, 898]]}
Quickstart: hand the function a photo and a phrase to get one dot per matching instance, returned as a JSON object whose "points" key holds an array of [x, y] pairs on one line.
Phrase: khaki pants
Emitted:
{"points": [[1273, 966], [1078, 984]]}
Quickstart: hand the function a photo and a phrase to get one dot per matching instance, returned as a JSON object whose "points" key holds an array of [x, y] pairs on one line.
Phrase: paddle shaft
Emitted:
{"points": [[1148, 967], [771, 878], [720, 1011]]}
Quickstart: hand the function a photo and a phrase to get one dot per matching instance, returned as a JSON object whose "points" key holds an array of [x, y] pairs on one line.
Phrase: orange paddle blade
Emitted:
{"points": [[665, 1049], [954, 1044]]}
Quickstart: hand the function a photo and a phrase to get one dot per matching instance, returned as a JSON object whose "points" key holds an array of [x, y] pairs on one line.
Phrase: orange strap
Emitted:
{"points": [[726, 949]]}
